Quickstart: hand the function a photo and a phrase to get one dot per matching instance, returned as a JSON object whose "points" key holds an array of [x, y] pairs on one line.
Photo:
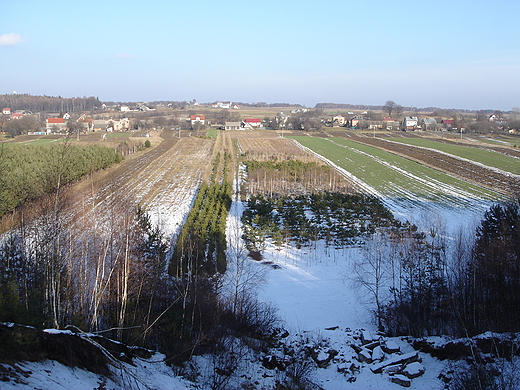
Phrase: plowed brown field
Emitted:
{"points": [[162, 180], [466, 170]]}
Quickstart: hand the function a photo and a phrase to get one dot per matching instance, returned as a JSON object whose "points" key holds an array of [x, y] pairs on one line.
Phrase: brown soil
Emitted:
{"points": [[466, 170]]}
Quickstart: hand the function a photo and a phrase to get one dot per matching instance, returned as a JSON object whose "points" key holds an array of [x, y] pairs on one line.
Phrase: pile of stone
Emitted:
{"points": [[384, 356]]}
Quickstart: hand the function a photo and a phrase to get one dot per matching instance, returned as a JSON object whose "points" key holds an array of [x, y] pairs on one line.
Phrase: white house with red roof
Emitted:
{"points": [[201, 119], [250, 124], [6, 111], [55, 125]]}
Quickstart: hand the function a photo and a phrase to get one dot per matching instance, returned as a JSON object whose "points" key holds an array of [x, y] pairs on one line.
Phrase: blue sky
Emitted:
{"points": [[450, 54]]}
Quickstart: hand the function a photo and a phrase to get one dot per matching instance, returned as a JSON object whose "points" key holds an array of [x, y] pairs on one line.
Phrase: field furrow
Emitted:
{"points": [[465, 169], [395, 177], [163, 182]]}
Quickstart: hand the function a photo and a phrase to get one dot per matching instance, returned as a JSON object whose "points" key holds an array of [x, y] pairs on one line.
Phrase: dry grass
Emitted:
{"points": [[268, 146]]}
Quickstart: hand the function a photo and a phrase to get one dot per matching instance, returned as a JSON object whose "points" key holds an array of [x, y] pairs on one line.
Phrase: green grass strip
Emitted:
{"points": [[392, 175], [483, 156], [212, 132]]}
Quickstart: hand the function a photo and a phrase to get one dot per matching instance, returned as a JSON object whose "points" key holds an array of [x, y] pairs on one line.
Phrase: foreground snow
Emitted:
{"points": [[313, 291], [143, 374]]}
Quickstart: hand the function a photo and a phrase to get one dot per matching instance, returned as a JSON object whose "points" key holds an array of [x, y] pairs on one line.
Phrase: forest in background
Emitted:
{"points": [[45, 103]]}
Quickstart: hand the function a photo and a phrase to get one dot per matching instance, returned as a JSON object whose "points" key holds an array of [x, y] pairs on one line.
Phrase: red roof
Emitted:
{"points": [[253, 121], [194, 117], [55, 120]]}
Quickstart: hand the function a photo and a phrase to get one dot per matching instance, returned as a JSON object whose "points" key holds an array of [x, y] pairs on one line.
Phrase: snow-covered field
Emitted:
{"points": [[316, 299]]}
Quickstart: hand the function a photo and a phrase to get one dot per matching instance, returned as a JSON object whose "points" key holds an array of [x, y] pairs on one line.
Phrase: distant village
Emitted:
{"points": [[227, 116]]}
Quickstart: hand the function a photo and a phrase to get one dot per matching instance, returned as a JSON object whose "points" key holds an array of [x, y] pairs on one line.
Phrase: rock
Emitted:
{"points": [[392, 370], [365, 356], [390, 346], [401, 380], [413, 370], [366, 337], [270, 362], [332, 328], [396, 359], [373, 344], [343, 367], [498, 344], [323, 358], [452, 350], [355, 368], [377, 354]]}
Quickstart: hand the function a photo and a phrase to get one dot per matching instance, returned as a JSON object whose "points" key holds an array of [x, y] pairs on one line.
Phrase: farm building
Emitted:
{"points": [[429, 124], [250, 124], [410, 123], [339, 120], [194, 119], [55, 125], [390, 124], [232, 126]]}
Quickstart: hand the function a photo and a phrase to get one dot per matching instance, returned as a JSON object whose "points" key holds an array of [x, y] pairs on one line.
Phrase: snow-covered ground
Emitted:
{"points": [[317, 303], [153, 373], [316, 299]]}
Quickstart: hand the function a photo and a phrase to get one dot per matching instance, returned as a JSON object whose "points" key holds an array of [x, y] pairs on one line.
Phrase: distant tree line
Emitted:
{"points": [[380, 108], [23, 125], [49, 103], [28, 172]]}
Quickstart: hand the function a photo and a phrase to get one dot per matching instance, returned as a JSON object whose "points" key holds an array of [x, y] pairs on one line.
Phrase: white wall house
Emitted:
{"points": [[410, 123]]}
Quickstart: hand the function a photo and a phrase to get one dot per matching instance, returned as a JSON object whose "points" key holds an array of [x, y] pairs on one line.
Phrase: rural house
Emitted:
{"points": [[250, 124], [200, 119], [119, 125], [99, 125], [53, 125], [339, 120], [232, 126], [410, 123], [429, 124], [448, 123], [6, 111], [281, 120], [87, 124], [389, 123], [221, 105]]}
